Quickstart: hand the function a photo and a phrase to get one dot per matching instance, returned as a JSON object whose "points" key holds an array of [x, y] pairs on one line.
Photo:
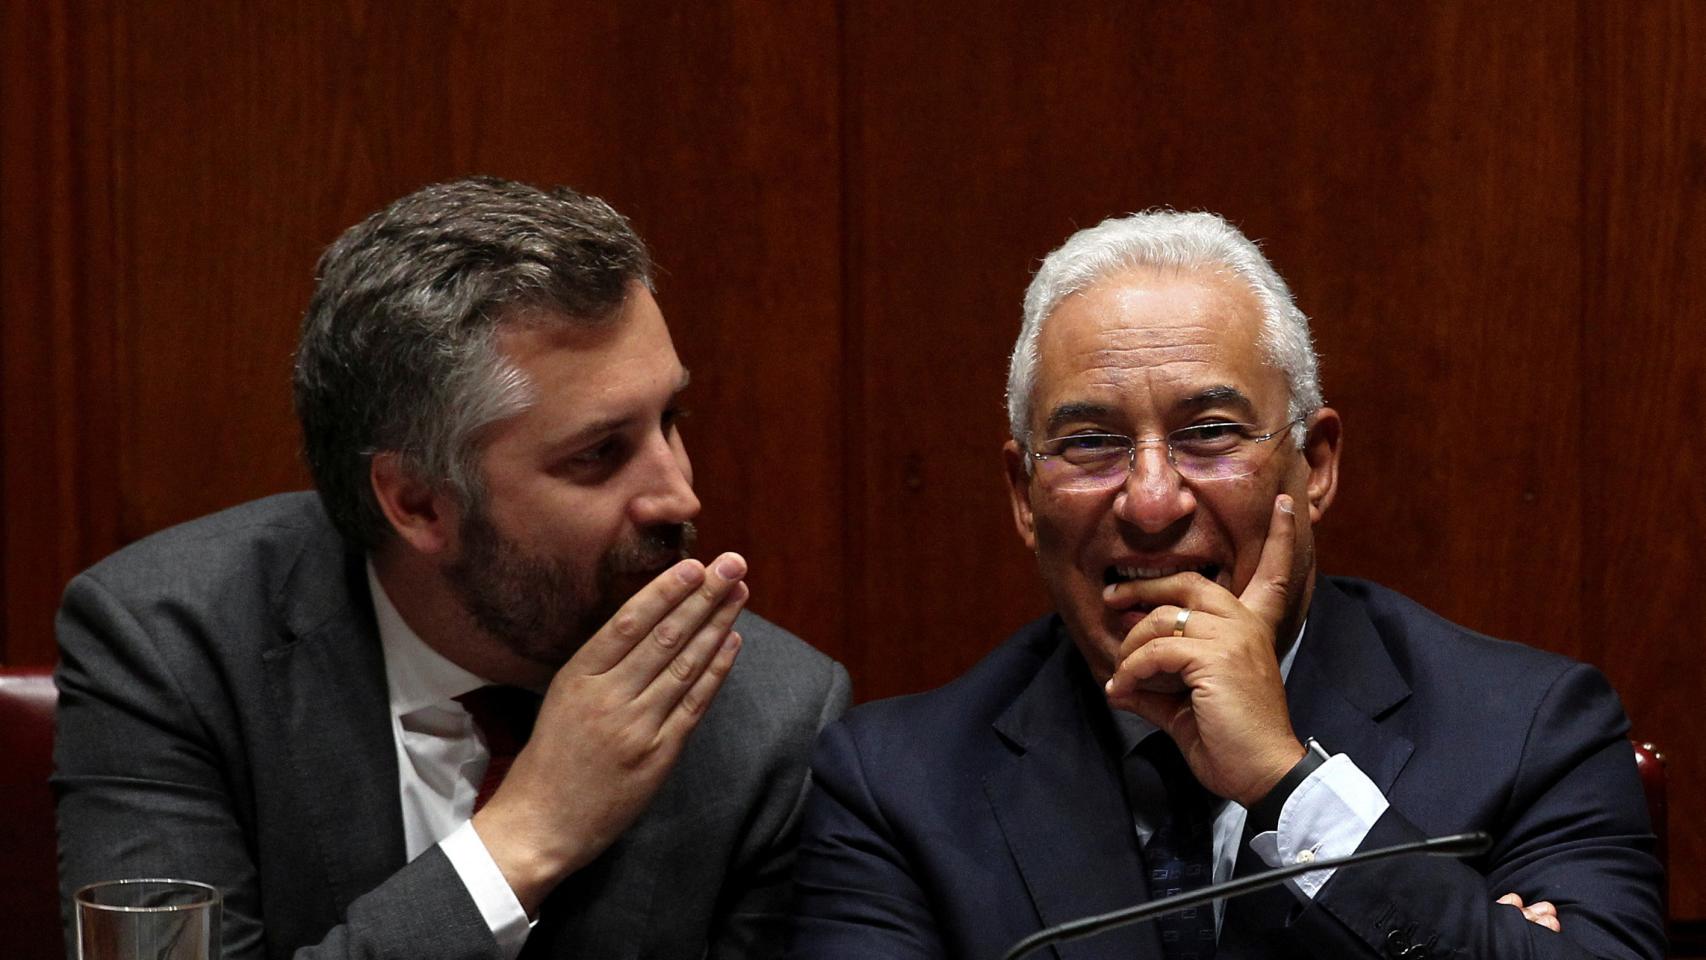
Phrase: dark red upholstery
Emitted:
{"points": [[1650, 763], [29, 899]]}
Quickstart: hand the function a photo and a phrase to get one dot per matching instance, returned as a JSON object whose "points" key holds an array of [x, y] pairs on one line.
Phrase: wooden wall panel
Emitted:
{"points": [[58, 400], [677, 116], [988, 138], [243, 141], [1643, 390]]}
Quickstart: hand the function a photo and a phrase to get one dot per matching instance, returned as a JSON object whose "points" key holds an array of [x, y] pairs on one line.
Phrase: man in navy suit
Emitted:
{"points": [[1202, 704]]}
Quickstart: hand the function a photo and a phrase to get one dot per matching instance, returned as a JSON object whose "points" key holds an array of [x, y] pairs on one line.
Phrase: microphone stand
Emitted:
{"points": [[1456, 845]]}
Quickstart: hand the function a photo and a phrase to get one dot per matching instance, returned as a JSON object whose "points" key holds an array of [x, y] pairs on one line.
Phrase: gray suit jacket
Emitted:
{"points": [[223, 717]]}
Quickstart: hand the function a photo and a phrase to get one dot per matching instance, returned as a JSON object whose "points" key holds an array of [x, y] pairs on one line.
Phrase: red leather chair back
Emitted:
{"points": [[1650, 764], [29, 898]]}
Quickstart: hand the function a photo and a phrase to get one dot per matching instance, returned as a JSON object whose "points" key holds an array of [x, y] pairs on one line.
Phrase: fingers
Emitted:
{"points": [[646, 636], [636, 618], [1543, 913], [1163, 621], [1191, 590], [695, 699], [1540, 912], [679, 677], [1265, 594], [1157, 655]]}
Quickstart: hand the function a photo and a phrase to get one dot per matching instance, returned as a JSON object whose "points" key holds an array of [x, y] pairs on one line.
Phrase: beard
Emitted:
{"points": [[543, 608]]}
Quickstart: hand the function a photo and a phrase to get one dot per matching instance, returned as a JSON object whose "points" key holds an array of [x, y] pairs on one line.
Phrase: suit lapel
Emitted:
{"points": [[1342, 685], [1062, 811], [329, 693]]}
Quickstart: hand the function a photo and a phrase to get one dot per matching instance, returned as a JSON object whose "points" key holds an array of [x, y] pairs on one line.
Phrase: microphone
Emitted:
{"points": [[1456, 845]]}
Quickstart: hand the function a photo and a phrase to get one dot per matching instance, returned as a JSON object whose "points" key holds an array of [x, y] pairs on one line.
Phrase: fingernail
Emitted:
{"points": [[1286, 507], [730, 566], [1108, 591], [689, 572], [1108, 688]]}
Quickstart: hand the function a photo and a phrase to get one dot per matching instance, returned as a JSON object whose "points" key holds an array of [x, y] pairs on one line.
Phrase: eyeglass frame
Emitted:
{"points": [[1172, 454]]}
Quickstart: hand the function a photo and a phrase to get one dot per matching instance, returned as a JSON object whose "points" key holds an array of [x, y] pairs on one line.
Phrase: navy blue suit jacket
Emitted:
{"points": [[953, 823]]}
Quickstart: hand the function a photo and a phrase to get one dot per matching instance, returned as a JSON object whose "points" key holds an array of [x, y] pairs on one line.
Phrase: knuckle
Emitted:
{"points": [[631, 746], [667, 634], [681, 669], [693, 705], [626, 625]]}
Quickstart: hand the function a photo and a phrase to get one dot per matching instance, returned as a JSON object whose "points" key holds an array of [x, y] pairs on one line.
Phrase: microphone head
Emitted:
{"points": [[1460, 845]]}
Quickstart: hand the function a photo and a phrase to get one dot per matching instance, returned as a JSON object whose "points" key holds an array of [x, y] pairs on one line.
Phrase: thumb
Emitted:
{"points": [[1270, 586]]}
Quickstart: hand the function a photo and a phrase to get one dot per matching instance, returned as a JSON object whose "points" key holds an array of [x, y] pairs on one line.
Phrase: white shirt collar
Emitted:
{"points": [[418, 676]]}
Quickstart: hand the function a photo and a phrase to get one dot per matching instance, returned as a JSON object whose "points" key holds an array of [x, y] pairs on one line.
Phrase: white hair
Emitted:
{"points": [[1168, 240]]}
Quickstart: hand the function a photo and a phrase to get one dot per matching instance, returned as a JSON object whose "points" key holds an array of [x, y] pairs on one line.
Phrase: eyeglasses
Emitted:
{"points": [[1205, 451]]}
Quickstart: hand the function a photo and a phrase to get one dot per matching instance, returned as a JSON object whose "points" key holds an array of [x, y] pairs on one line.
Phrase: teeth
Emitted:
{"points": [[1146, 573], [1152, 573]]}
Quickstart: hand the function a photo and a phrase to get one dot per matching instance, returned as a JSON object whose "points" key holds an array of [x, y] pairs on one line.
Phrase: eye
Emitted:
{"points": [[672, 417], [1091, 441], [604, 452], [1210, 439], [1086, 448]]}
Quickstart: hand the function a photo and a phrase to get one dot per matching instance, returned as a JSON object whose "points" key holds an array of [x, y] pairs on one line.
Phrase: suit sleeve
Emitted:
{"points": [[144, 783], [855, 896], [757, 895], [1573, 830]]}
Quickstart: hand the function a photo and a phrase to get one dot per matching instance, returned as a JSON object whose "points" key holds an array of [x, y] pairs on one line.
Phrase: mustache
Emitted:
{"points": [[655, 549]]}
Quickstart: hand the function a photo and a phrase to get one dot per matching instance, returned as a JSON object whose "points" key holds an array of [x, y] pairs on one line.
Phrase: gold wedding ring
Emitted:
{"points": [[1179, 622]]}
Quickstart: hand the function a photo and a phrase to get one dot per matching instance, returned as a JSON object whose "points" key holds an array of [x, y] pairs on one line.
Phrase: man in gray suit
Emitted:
{"points": [[308, 701]]}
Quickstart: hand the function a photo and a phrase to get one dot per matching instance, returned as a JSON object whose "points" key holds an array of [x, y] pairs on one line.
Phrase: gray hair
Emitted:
{"points": [[398, 350], [1168, 240]]}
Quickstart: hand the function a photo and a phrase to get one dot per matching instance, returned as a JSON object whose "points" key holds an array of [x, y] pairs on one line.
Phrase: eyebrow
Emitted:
{"points": [[1076, 410], [599, 428], [1221, 394]]}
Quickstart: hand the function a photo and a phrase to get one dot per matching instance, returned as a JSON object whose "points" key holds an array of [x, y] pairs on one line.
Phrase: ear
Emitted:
{"points": [[1019, 492], [423, 516], [1321, 447]]}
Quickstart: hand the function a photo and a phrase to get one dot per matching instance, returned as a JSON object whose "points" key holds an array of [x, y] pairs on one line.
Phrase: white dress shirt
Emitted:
{"points": [[1328, 815], [440, 760]]}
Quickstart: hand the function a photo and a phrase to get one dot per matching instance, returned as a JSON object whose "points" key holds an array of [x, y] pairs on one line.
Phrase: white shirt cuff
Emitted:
{"points": [[486, 884], [1327, 816]]}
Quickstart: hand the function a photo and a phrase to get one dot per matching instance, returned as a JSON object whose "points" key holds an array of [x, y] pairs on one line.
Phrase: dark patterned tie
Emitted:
{"points": [[1180, 853], [505, 717]]}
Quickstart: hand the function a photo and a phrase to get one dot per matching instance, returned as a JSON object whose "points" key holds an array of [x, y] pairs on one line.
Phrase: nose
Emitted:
{"points": [[1154, 496], [666, 488]]}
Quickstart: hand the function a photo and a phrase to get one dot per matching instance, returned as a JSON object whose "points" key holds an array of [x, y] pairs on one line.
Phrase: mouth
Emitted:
{"points": [[1116, 573]]}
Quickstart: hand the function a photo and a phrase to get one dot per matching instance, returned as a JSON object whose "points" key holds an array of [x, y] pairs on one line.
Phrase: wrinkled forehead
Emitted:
{"points": [[1155, 337]]}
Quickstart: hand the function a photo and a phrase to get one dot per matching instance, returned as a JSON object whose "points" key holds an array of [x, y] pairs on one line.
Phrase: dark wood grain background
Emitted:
{"points": [[1495, 214]]}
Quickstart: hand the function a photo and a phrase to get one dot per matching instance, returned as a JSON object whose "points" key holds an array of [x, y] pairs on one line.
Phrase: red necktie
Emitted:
{"points": [[505, 718]]}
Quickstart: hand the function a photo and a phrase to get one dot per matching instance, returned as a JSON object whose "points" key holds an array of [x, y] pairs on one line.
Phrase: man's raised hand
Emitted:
{"points": [[613, 724], [1231, 721]]}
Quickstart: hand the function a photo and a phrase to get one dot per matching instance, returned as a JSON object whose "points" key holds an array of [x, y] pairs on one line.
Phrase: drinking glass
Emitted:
{"points": [[147, 920]]}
